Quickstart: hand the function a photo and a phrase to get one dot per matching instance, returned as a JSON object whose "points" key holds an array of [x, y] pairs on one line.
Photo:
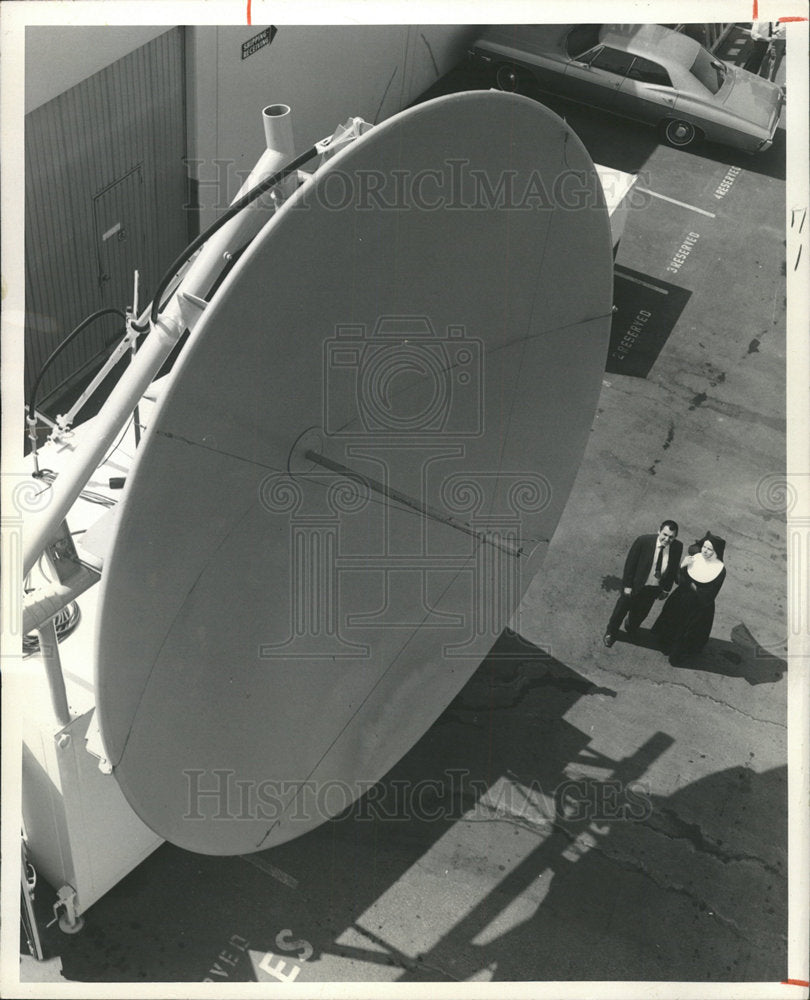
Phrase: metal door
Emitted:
{"points": [[119, 213]]}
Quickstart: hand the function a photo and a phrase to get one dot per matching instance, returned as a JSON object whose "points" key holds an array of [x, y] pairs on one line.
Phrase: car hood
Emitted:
{"points": [[744, 94]]}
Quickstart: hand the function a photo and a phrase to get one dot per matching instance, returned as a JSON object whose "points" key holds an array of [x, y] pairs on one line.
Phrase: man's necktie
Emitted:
{"points": [[659, 562]]}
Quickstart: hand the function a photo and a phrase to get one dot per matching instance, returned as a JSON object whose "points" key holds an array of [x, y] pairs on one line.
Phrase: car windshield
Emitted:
{"points": [[581, 38], [710, 71]]}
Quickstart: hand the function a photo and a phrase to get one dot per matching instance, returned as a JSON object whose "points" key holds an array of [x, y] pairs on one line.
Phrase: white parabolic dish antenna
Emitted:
{"points": [[355, 471]]}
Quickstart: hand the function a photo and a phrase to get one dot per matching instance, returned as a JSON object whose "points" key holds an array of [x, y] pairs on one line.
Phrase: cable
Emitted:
{"points": [[251, 196], [41, 567], [55, 354], [195, 245]]}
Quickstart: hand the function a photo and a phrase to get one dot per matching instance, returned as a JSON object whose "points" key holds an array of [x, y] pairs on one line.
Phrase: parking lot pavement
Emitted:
{"points": [[578, 812], [701, 439]]}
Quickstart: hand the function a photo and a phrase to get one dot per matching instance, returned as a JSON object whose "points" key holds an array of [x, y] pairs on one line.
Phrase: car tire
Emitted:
{"points": [[508, 78], [679, 133]]}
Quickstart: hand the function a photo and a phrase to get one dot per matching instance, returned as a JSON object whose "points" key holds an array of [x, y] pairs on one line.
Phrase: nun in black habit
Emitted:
{"points": [[685, 622]]}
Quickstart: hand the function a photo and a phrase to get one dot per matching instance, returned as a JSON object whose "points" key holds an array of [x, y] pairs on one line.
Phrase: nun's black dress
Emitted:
{"points": [[686, 619]]}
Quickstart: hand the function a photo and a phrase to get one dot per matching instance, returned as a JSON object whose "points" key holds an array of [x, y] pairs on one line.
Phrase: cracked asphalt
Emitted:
{"points": [[583, 813]]}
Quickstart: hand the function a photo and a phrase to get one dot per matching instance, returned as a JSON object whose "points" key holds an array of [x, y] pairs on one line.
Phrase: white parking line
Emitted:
{"points": [[638, 281], [674, 201], [268, 869]]}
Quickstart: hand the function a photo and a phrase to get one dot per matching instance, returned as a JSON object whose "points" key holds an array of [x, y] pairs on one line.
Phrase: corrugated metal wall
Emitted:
{"points": [[105, 193]]}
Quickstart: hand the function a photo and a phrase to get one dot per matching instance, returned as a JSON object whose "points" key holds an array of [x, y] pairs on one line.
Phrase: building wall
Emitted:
{"points": [[325, 73], [57, 58], [149, 129], [105, 190]]}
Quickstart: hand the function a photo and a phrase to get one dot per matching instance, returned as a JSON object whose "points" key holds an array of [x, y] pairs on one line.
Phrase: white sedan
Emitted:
{"points": [[646, 72]]}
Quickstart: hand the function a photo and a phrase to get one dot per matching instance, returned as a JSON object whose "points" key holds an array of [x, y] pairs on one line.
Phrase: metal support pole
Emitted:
{"points": [[412, 502], [41, 528], [49, 648], [137, 416], [70, 920]]}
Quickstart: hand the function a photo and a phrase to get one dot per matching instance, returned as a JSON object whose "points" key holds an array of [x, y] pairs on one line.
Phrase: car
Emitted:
{"points": [[642, 71]]}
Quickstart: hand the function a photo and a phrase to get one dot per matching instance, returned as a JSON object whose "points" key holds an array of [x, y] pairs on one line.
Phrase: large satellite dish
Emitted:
{"points": [[355, 471]]}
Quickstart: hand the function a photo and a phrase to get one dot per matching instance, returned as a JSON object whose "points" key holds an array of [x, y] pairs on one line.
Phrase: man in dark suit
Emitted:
{"points": [[649, 572]]}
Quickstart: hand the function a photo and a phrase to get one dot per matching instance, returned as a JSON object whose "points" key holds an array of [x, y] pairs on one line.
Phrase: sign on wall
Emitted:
{"points": [[252, 45]]}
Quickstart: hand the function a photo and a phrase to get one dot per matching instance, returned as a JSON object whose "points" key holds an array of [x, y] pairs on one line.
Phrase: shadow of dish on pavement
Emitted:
{"points": [[504, 835]]}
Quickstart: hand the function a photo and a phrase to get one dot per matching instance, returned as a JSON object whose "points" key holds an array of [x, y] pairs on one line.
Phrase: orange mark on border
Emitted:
{"points": [[796, 982], [248, 12], [756, 11], [784, 20]]}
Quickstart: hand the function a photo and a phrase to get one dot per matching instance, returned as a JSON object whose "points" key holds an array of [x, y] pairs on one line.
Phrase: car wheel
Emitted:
{"points": [[508, 78], [679, 133]]}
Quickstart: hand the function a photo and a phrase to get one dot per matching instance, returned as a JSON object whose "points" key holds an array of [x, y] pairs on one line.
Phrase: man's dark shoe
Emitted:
{"points": [[608, 639]]}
